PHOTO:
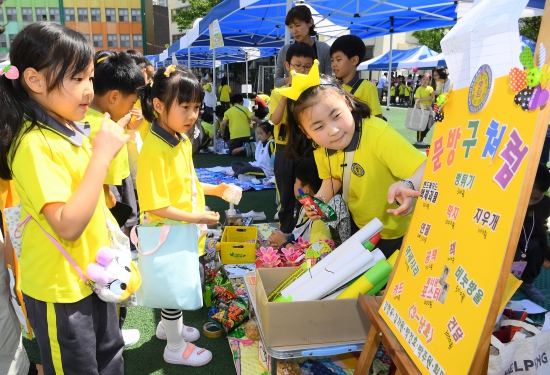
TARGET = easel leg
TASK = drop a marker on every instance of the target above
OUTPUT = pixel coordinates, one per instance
(273, 366)
(368, 353)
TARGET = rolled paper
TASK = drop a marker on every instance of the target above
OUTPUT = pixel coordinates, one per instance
(378, 287)
(232, 194)
(393, 258)
(369, 245)
(365, 283)
(378, 256)
(365, 233)
(290, 279)
(374, 239)
(333, 275)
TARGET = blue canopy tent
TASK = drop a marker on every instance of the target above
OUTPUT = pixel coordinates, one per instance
(381, 62)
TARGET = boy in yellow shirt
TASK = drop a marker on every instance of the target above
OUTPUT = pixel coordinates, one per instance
(116, 82)
(345, 54)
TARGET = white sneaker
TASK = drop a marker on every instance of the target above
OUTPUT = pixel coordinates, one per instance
(189, 334)
(255, 215)
(276, 217)
(421, 144)
(130, 336)
(192, 355)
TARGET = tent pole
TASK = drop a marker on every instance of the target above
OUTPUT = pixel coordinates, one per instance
(287, 31)
(389, 68)
(213, 87)
(246, 66)
(189, 57)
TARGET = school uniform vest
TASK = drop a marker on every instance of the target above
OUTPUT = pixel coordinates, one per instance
(263, 157)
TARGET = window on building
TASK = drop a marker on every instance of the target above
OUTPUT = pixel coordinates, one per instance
(138, 41)
(83, 14)
(136, 15)
(41, 14)
(125, 40)
(2, 15)
(3, 41)
(110, 15)
(162, 3)
(26, 14)
(11, 14)
(123, 15)
(98, 40)
(96, 14)
(112, 40)
(54, 15)
(12, 37)
(69, 14)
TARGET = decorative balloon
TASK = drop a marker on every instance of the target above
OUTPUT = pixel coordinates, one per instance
(415, 69)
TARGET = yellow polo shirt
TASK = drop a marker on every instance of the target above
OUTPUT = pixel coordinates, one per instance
(239, 121)
(264, 97)
(382, 158)
(224, 92)
(119, 168)
(208, 128)
(424, 92)
(145, 125)
(47, 168)
(165, 176)
(367, 93)
(273, 103)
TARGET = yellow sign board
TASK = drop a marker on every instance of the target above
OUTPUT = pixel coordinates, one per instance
(443, 287)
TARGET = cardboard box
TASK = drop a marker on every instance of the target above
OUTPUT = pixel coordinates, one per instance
(307, 322)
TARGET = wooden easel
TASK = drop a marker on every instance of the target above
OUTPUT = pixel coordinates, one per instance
(381, 332)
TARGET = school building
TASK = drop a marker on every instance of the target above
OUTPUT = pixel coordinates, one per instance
(116, 24)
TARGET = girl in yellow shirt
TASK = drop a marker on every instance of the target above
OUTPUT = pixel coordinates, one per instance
(59, 181)
(426, 95)
(168, 187)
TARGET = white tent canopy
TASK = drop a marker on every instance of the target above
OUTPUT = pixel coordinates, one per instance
(429, 62)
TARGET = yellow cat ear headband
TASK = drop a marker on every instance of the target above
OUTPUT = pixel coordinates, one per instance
(302, 82)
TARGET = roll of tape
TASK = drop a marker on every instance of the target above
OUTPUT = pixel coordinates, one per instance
(211, 330)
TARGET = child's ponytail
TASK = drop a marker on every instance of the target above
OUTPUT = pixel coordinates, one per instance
(51, 49)
(147, 102)
(13, 99)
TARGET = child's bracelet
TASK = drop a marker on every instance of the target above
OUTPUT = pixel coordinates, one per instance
(409, 182)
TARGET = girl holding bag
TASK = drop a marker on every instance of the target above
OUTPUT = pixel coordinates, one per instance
(168, 187)
(426, 95)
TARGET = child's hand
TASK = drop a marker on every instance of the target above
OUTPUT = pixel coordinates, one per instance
(402, 193)
(311, 213)
(207, 217)
(218, 191)
(124, 121)
(109, 139)
(137, 117)
(277, 238)
(546, 263)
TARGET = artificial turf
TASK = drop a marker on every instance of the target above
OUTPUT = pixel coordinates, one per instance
(146, 356)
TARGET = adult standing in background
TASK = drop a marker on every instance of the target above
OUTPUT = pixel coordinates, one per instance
(300, 22)
(381, 86)
(208, 100)
(443, 83)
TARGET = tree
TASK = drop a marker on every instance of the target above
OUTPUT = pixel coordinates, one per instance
(529, 27)
(197, 9)
(431, 38)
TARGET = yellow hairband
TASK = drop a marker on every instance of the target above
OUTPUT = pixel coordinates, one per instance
(100, 60)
